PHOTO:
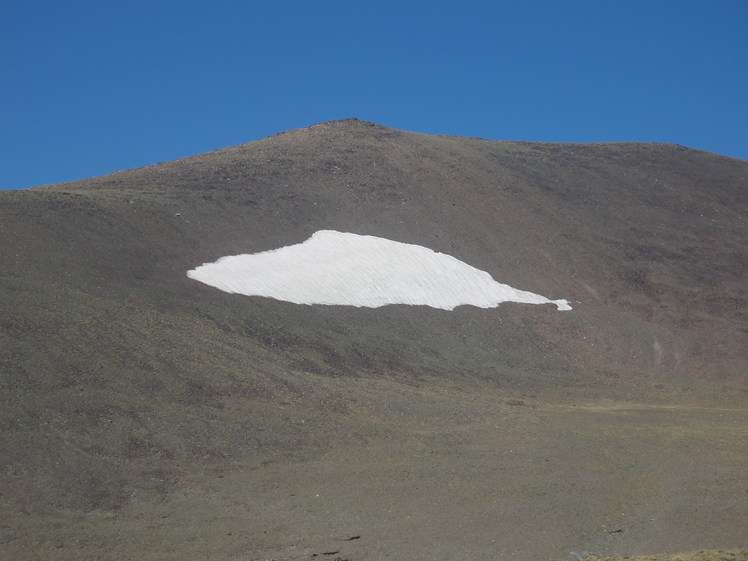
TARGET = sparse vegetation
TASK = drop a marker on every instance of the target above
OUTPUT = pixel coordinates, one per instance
(701, 555)
(147, 416)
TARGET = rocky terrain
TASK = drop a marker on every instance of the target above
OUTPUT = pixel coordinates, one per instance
(147, 415)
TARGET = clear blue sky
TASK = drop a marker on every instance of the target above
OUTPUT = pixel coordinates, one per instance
(92, 87)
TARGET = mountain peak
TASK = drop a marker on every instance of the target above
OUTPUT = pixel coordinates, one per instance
(348, 123)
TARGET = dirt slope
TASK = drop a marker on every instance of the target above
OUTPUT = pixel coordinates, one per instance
(147, 415)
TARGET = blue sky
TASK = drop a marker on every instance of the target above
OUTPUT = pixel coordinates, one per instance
(92, 87)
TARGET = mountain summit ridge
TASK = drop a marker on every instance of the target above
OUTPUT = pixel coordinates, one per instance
(356, 128)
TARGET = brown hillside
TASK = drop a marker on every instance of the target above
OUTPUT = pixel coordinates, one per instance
(146, 415)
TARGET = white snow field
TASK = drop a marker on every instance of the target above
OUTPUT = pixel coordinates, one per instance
(338, 268)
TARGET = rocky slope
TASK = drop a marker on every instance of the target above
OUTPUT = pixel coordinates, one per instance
(148, 414)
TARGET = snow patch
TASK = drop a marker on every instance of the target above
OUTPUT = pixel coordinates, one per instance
(337, 268)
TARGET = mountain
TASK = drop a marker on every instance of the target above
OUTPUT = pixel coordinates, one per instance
(148, 415)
